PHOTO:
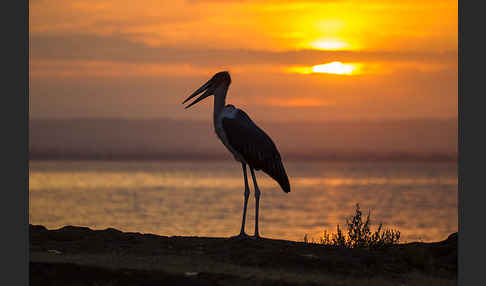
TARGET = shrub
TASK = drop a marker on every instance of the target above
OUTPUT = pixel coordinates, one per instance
(359, 234)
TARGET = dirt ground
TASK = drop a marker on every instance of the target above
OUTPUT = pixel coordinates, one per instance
(82, 256)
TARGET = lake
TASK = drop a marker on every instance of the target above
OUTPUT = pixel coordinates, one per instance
(205, 198)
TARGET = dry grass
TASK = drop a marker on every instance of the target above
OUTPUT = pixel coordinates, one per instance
(358, 234)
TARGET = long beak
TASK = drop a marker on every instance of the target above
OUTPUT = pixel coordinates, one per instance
(203, 96)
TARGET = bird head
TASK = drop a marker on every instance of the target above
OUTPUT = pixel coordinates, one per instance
(219, 82)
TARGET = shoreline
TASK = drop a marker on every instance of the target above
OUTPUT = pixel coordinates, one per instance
(113, 257)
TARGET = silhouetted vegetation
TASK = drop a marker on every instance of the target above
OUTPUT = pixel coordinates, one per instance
(358, 234)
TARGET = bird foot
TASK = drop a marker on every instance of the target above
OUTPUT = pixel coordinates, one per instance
(240, 236)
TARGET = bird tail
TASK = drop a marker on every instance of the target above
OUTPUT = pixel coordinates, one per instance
(285, 184)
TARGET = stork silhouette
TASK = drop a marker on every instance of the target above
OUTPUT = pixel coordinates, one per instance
(249, 144)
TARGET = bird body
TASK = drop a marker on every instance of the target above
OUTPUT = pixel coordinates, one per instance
(254, 146)
(248, 143)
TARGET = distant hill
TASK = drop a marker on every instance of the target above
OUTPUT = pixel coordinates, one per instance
(427, 139)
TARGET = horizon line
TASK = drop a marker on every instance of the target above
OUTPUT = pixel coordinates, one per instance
(87, 118)
(344, 156)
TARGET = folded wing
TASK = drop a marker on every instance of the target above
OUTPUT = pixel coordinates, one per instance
(255, 146)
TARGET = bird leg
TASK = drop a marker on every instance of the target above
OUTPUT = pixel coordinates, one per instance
(257, 201)
(247, 194)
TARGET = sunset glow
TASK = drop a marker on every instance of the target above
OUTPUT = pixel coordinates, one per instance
(297, 102)
(339, 103)
(335, 68)
(140, 59)
(329, 45)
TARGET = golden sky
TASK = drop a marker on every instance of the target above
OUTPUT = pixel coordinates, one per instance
(289, 60)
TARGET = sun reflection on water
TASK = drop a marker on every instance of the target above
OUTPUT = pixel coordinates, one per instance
(205, 198)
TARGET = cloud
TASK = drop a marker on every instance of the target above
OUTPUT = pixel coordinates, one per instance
(406, 93)
(117, 48)
(125, 58)
(259, 1)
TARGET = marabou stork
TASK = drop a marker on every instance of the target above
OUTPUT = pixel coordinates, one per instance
(249, 144)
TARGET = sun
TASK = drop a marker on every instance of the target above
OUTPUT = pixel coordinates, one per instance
(329, 45)
(330, 68)
(334, 68)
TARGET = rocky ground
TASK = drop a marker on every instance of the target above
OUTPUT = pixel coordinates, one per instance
(82, 256)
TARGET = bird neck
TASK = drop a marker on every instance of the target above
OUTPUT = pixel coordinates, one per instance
(219, 102)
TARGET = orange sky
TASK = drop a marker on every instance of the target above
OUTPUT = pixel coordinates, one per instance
(394, 59)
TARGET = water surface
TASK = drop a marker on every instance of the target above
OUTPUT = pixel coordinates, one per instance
(205, 198)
